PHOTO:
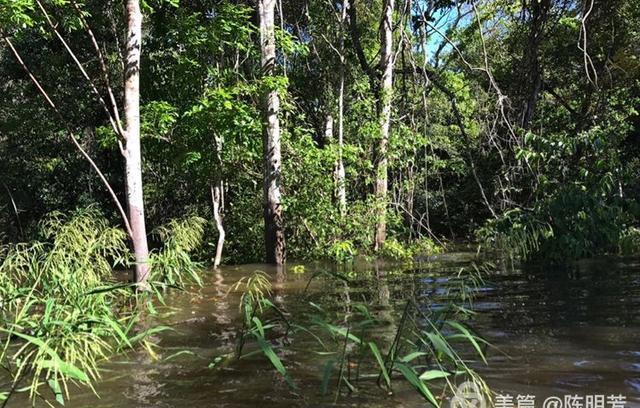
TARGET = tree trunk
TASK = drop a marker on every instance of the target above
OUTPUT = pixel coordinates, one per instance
(217, 201)
(341, 193)
(384, 116)
(217, 198)
(273, 220)
(132, 154)
(328, 129)
(338, 168)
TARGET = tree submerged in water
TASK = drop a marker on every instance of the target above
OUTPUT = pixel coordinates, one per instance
(326, 123)
(307, 130)
(63, 310)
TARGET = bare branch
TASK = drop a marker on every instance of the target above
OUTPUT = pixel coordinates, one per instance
(103, 67)
(116, 127)
(45, 95)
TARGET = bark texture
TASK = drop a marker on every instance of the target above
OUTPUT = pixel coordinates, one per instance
(341, 193)
(132, 154)
(384, 115)
(273, 219)
(217, 200)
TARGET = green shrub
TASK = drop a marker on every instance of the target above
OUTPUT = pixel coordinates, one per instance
(426, 247)
(516, 232)
(342, 251)
(395, 251)
(573, 223)
(629, 242)
(172, 265)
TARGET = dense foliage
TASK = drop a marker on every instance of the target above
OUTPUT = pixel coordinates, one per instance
(516, 121)
(63, 309)
(402, 126)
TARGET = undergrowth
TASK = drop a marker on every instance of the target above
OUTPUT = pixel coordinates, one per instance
(63, 310)
(429, 348)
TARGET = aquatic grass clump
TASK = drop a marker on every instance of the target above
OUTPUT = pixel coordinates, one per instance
(172, 265)
(430, 347)
(518, 233)
(629, 242)
(254, 304)
(62, 310)
(346, 251)
(62, 313)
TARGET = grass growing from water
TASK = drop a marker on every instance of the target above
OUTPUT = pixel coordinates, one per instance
(429, 349)
(63, 312)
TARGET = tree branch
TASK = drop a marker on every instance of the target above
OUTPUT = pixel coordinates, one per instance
(71, 134)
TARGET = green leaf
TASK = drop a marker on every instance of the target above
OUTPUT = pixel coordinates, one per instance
(326, 375)
(467, 335)
(440, 344)
(64, 368)
(57, 391)
(411, 376)
(149, 332)
(412, 356)
(433, 375)
(267, 350)
(259, 326)
(383, 368)
(180, 353)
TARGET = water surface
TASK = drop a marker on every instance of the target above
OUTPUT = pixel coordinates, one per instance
(559, 331)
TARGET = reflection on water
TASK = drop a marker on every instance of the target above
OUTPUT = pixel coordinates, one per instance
(558, 332)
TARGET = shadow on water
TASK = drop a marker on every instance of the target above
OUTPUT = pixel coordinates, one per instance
(559, 332)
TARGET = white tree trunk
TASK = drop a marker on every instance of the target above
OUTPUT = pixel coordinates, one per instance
(384, 115)
(338, 168)
(341, 194)
(217, 199)
(328, 129)
(132, 154)
(273, 220)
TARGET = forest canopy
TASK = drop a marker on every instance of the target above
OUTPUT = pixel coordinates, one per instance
(337, 127)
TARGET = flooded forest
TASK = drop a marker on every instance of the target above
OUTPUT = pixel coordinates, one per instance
(320, 203)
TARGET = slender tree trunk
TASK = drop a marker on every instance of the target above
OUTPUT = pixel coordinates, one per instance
(132, 154)
(273, 219)
(338, 167)
(341, 193)
(328, 129)
(217, 200)
(384, 116)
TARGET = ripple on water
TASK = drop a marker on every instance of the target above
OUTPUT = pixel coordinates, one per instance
(582, 363)
(629, 353)
(633, 383)
(488, 305)
(578, 381)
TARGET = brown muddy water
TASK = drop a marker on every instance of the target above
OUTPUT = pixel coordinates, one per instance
(559, 332)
